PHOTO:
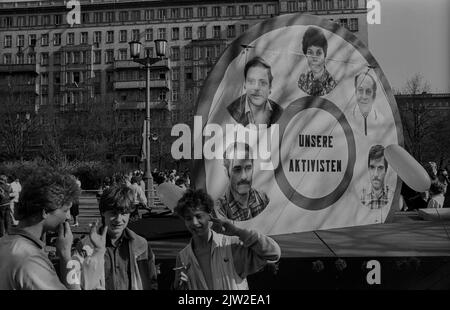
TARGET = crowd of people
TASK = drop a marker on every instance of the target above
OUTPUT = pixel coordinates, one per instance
(220, 255)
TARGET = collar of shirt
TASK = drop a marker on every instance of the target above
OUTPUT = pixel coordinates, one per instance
(232, 202)
(25, 234)
(214, 238)
(323, 78)
(382, 193)
(125, 235)
(248, 110)
(356, 108)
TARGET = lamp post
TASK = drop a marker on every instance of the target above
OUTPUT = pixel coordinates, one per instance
(147, 61)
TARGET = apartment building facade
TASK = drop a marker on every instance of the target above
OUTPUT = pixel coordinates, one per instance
(91, 61)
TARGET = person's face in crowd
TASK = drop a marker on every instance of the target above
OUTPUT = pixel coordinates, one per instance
(257, 85)
(316, 58)
(377, 172)
(53, 219)
(364, 90)
(197, 222)
(240, 174)
(116, 222)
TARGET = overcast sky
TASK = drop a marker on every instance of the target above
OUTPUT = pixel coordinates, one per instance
(413, 37)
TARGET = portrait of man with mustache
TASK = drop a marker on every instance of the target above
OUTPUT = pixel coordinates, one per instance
(241, 202)
(379, 194)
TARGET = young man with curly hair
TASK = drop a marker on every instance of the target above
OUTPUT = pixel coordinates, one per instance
(218, 260)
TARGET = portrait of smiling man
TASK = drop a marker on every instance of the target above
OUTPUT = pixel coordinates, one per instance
(241, 201)
(364, 113)
(379, 194)
(255, 107)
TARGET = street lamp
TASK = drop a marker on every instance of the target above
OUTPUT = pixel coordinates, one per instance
(147, 61)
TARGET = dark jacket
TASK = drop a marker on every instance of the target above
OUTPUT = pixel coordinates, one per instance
(237, 111)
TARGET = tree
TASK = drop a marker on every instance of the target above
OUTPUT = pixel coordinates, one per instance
(419, 120)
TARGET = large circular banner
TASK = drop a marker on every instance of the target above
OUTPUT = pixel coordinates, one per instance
(292, 124)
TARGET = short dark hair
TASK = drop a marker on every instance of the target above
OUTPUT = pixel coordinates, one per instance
(47, 190)
(437, 187)
(118, 198)
(374, 84)
(377, 152)
(258, 62)
(194, 200)
(232, 148)
(314, 37)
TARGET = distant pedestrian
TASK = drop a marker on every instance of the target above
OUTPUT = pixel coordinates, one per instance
(16, 188)
(5, 202)
(75, 209)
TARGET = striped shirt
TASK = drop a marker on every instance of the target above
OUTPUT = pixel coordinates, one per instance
(232, 209)
(373, 200)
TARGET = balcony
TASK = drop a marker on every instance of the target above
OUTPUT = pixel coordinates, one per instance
(19, 68)
(140, 84)
(130, 64)
(139, 105)
(19, 88)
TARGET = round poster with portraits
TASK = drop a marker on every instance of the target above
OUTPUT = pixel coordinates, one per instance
(294, 119)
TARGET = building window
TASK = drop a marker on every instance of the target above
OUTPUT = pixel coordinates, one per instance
(57, 39)
(343, 22)
(202, 11)
(353, 24)
(8, 41)
(162, 33)
(257, 9)
(85, 18)
(123, 54)
(32, 20)
(123, 36)
(110, 36)
(70, 38)
(20, 59)
(243, 10)
(98, 57)
(44, 59)
(175, 53)
(175, 33)
(21, 21)
(292, 6)
(231, 31)
(123, 16)
(44, 78)
(57, 77)
(231, 11)
(175, 13)
(216, 32)
(317, 5)
(32, 40)
(56, 58)
(187, 33)
(57, 19)
(148, 52)
(329, 5)
(187, 53)
(110, 17)
(271, 9)
(7, 59)
(149, 14)
(109, 56)
(136, 15)
(32, 58)
(98, 37)
(84, 38)
(45, 20)
(161, 14)
(98, 17)
(20, 40)
(202, 32)
(175, 74)
(188, 12)
(135, 36)
(353, 4)
(44, 39)
(149, 34)
(342, 4)
(302, 5)
(216, 11)
(188, 73)
(244, 28)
